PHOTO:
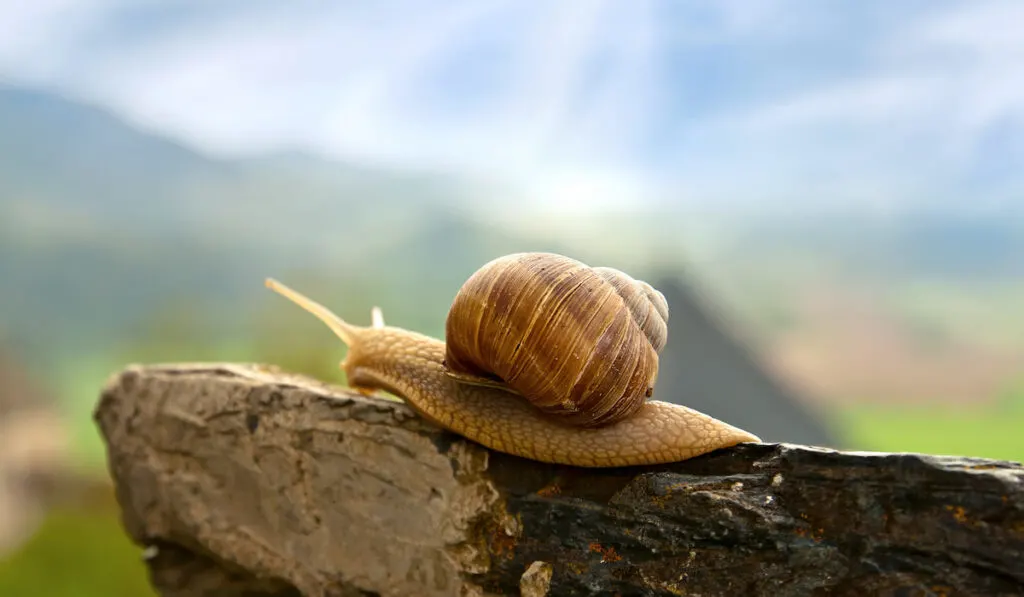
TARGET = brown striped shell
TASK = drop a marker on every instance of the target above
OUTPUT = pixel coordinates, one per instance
(578, 342)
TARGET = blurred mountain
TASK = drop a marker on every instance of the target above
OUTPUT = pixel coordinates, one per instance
(102, 224)
(74, 169)
(70, 159)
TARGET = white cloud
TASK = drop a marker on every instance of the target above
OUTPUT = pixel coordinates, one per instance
(738, 100)
(39, 35)
(904, 126)
(980, 50)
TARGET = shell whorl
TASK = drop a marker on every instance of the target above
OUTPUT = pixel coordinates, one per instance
(647, 305)
(578, 342)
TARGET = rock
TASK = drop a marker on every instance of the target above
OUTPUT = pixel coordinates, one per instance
(246, 480)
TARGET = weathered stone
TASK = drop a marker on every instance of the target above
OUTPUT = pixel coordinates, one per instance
(248, 481)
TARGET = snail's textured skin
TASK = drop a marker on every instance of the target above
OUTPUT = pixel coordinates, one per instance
(411, 366)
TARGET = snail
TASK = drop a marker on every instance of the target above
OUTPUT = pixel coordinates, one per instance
(544, 358)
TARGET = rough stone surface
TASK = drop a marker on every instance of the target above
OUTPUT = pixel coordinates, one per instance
(245, 481)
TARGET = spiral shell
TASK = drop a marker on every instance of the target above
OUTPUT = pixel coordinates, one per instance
(578, 342)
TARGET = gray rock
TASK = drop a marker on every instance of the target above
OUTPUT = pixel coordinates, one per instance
(247, 481)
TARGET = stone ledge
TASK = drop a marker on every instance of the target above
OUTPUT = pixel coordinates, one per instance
(244, 480)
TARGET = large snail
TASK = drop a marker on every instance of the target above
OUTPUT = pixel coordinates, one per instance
(545, 358)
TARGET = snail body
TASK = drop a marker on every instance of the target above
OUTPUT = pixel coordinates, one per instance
(544, 358)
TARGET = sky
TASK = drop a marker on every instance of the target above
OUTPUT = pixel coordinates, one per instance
(876, 103)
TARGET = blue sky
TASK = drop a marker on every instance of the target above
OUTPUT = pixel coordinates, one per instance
(879, 103)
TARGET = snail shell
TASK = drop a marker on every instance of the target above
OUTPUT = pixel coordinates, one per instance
(578, 342)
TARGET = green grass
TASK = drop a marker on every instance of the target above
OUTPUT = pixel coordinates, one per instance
(77, 553)
(993, 433)
(78, 388)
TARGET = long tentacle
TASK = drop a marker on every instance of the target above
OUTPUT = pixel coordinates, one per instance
(346, 331)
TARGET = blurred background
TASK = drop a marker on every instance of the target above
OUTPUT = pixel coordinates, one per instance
(831, 196)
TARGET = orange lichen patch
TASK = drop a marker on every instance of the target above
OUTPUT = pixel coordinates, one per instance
(549, 490)
(607, 553)
(661, 500)
(814, 535)
(984, 467)
(1018, 528)
(958, 513)
(503, 545)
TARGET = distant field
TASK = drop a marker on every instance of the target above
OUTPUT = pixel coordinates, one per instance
(903, 343)
(986, 434)
(81, 550)
(987, 315)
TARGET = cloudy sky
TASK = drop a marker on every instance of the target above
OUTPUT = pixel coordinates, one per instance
(880, 103)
